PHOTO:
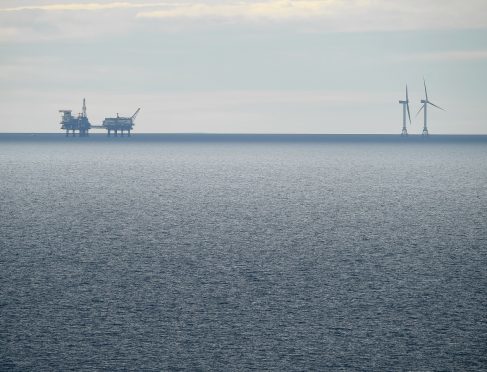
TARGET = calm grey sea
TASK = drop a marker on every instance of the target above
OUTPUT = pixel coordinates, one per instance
(240, 255)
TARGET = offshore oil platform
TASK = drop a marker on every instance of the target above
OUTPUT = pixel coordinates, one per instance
(82, 125)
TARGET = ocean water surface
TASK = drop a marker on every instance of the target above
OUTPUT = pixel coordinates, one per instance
(243, 253)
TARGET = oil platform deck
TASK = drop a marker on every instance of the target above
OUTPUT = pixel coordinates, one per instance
(82, 125)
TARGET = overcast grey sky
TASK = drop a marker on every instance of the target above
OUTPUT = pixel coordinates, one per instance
(264, 66)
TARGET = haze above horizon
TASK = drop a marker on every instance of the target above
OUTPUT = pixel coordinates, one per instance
(275, 66)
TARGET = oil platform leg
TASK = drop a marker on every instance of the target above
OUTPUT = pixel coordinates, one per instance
(74, 133)
(67, 133)
(116, 133)
(128, 132)
(108, 133)
(121, 132)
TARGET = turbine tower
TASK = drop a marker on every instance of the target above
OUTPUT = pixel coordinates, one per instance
(425, 103)
(405, 107)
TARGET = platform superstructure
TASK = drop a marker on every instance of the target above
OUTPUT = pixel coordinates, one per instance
(120, 124)
(79, 124)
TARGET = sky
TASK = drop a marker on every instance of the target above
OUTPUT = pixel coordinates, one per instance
(263, 66)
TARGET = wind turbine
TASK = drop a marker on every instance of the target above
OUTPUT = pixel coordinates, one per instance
(405, 107)
(425, 103)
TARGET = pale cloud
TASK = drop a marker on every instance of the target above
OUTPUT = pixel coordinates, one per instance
(225, 100)
(275, 9)
(451, 55)
(338, 15)
(334, 15)
(8, 33)
(85, 6)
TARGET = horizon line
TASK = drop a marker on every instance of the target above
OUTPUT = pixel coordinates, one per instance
(254, 134)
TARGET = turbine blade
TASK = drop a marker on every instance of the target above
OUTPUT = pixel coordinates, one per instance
(422, 107)
(425, 91)
(409, 114)
(432, 104)
(407, 97)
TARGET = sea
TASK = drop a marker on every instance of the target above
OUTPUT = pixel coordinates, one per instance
(208, 252)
